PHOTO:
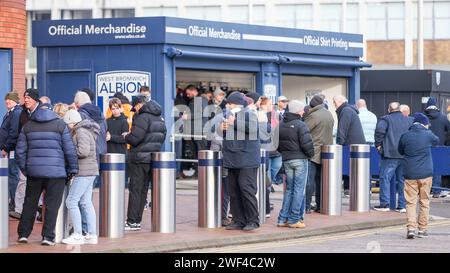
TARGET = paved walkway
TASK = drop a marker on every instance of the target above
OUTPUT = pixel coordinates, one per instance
(189, 236)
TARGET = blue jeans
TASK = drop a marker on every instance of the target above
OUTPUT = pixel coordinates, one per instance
(293, 206)
(391, 182)
(273, 167)
(437, 182)
(80, 198)
(13, 180)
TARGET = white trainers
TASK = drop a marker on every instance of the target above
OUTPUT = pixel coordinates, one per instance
(74, 239)
(91, 239)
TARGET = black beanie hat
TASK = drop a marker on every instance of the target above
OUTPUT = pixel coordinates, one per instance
(32, 93)
(316, 100)
(253, 95)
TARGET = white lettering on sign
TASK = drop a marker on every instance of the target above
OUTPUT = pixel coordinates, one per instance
(126, 82)
(270, 91)
(325, 42)
(62, 30)
(210, 32)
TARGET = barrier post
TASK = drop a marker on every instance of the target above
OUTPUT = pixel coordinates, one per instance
(112, 196)
(163, 192)
(331, 198)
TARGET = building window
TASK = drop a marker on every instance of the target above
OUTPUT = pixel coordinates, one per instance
(330, 17)
(295, 16)
(40, 15)
(376, 22)
(436, 20)
(259, 15)
(238, 14)
(385, 21)
(31, 51)
(76, 14)
(352, 18)
(442, 20)
(204, 13)
(160, 11)
(118, 13)
(396, 21)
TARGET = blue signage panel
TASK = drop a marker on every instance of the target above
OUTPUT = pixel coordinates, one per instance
(156, 30)
(243, 36)
(118, 31)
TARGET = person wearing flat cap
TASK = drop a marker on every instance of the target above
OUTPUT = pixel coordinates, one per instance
(241, 157)
(9, 133)
(415, 145)
(281, 106)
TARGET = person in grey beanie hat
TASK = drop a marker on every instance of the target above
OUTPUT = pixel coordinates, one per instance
(296, 147)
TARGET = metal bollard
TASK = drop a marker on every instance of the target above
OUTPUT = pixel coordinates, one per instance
(62, 221)
(209, 189)
(331, 199)
(112, 196)
(4, 195)
(360, 177)
(163, 192)
(261, 185)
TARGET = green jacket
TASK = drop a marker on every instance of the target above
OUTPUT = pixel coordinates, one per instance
(320, 123)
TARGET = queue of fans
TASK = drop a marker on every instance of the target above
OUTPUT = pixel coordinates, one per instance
(51, 146)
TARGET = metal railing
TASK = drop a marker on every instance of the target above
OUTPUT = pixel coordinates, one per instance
(173, 140)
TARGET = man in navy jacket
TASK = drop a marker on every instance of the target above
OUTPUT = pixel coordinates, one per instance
(415, 146)
(9, 132)
(46, 156)
(387, 134)
(241, 156)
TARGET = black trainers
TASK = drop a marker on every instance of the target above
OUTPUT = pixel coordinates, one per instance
(422, 234)
(410, 234)
(234, 226)
(47, 242)
(132, 226)
(250, 227)
(381, 208)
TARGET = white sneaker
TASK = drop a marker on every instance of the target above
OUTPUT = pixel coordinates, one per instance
(91, 239)
(401, 210)
(74, 239)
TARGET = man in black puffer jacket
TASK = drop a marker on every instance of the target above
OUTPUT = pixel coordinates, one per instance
(296, 147)
(440, 126)
(147, 135)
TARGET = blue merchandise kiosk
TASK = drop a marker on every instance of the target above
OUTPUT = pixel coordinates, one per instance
(120, 55)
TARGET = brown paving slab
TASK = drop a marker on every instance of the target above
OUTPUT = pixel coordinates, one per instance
(188, 235)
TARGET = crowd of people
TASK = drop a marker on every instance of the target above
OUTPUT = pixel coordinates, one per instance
(51, 146)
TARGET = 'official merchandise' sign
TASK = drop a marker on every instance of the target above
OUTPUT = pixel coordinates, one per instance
(127, 82)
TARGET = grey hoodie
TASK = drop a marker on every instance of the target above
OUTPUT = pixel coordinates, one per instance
(84, 135)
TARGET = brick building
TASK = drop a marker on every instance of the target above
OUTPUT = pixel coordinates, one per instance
(13, 32)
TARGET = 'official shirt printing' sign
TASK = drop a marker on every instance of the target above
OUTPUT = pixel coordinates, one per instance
(126, 82)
